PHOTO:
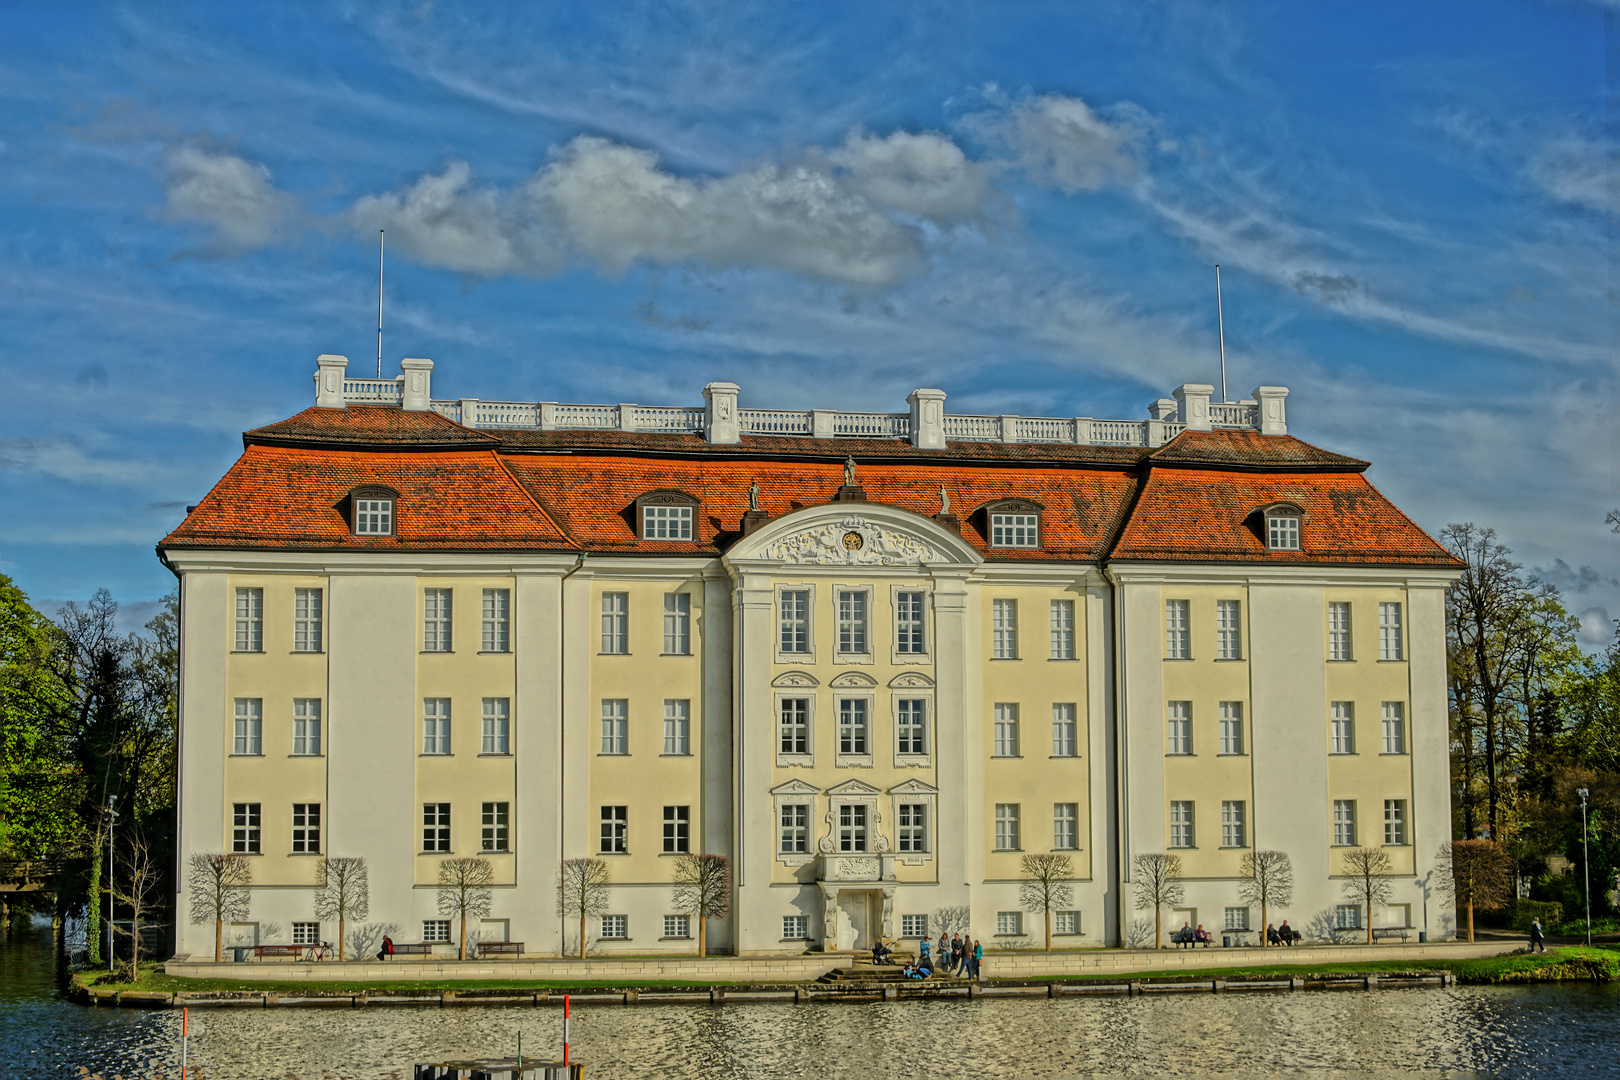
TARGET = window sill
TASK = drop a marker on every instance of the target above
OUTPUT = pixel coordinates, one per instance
(853, 761)
(494, 652)
(993, 659)
(613, 853)
(1178, 659)
(615, 939)
(1396, 660)
(247, 853)
(1231, 753)
(435, 852)
(1343, 753)
(426, 754)
(686, 753)
(307, 652)
(1397, 845)
(1185, 847)
(684, 937)
(994, 757)
(305, 854)
(250, 755)
(495, 851)
(1006, 850)
(1063, 660)
(1019, 934)
(247, 652)
(1063, 757)
(300, 755)
(1180, 754)
(795, 940)
(677, 654)
(494, 754)
(615, 654)
(1233, 847)
(1230, 659)
(609, 754)
(672, 854)
(436, 652)
(1393, 753)
(1341, 660)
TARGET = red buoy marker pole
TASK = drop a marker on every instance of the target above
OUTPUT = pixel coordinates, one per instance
(185, 1033)
(565, 1031)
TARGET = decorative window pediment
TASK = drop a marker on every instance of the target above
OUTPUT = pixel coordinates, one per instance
(911, 680)
(666, 514)
(795, 680)
(853, 680)
(913, 787)
(795, 787)
(1281, 525)
(1011, 523)
(852, 788)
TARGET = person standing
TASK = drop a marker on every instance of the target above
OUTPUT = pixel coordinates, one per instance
(1538, 939)
(955, 960)
(978, 958)
(942, 955)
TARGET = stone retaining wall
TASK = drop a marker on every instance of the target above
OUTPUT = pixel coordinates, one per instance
(774, 969)
(1040, 965)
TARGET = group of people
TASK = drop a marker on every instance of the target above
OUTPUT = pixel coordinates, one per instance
(957, 954)
(1282, 935)
(1187, 937)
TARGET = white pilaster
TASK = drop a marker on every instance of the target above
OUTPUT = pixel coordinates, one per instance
(1429, 733)
(719, 800)
(757, 916)
(537, 737)
(205, 605)
(329, 373)
(418, 392)
(961, 797)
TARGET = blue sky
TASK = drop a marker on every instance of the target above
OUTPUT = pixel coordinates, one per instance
(830, 204)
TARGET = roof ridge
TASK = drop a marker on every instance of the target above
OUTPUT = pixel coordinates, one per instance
(545, 511)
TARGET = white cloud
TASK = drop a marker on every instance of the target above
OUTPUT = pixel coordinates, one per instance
(1576, 170)
(1062, 142)
(230, 195)
(924, 174)
(1597, 629)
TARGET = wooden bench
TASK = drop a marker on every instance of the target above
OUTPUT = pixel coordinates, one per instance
(296, 952)
(1390, 931)
(498, 948)
(422, 948)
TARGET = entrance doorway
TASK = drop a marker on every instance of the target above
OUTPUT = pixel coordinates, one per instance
(860, 918)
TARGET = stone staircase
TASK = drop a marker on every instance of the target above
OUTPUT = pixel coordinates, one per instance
(877, 976)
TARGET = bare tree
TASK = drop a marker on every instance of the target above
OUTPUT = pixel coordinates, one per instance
(342, 892)
(582, 890)
(702, 890)
(1046, 887)
(139, 892)
(1158, 883)
(221, 892)
(957, 919)
(1368, 869)
(1266, 878)
(1476, 873)
(464, 893)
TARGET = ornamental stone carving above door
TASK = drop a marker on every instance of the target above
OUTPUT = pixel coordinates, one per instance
(854, 541)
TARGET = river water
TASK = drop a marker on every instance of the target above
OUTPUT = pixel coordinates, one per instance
(1551, 1031)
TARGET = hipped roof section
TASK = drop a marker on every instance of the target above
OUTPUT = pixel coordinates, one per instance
(461, 489)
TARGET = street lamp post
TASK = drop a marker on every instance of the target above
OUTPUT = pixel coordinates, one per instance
(1586, 864)
(112, 819)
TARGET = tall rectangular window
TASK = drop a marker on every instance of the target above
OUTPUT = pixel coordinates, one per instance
(1389, 632)
(852, 726)
(1065, 826)
(677, 830)
(677, 726)
(1006, 731)
(678, 623)
(1339, 631)
(852, 622)
(851, 827)
(1181, 824)
(793, 621)
(1063, 630)
(795, 837)
(911, 723)
(1179, 733)
(615, 623)
(245, 828)
(436, 620)
(911, 833)
(795, 730)
(306, 726)
(1344, 727)
(1014, 530)
(1344, 822)
(306, 620)
(615, 726)
(497, 621)
(249, 726)
(497, 826)
(250, 620)
(1007, 838)
(666, 523)
(1177, 635)
(1065, 736)
(615, 830)
(1228, 630)
(909, 638)
(1004, 629)
(436, 826)
(497, 726)
(1234, 824)
(436, 725)
(306, 828)
(1395, 822)
(1231, 727)
(1394, 727)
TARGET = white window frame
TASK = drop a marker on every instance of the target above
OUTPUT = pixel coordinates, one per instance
(1395, 727)
(1065, 924)
(900, 651)
(1065, 729)
(247, 828)
(1010, 924)
(1015, 529)
(677, 928)
(1341, 632)
(1066, 826)
(677, 624)
(436, 931)
(858, 758)
(496, 622)
(496, 732)
(306, 828)
(677, 727)
(307, 727)
(615, 727)
(1234, 823)
(677, 834)
(904, 754)
(1347, 917)
(668, 521)
(795, 757)
(1004, 628)
(1006, 739)
(911, 828)
(852, 827)
(1178, 729)
(1235, 918)
(247, 727)
(1395, 823)
(1228, 630)
(1283, 531)
(1344, 823)
(863, 625)
(1391, 631)
(1232, 740)
(495, 827)
(615, 623)
(1009, 827)
(1062, 644)
(308, 612)
(780, 616)
(1183, 825)
(613, 833)
(914, 926)
(249, 619)
(794, 828)
(374, 517)
(1342, 727)
(1178, 629)
(436, 835)
(795, 928)
(438, 618)
(615, 928)
(436, 727)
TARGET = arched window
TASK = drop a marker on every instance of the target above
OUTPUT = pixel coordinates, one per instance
(1283, 526)
(1012, 523)
(372, 510)
(666, 515)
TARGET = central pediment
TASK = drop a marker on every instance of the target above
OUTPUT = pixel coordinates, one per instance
(867, 535)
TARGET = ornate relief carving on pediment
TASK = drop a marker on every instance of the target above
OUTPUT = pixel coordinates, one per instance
(911, 680)
(795, 787)
(795, 680)
(913, 787)
(854, 541)
(852, 787)
(853, 680)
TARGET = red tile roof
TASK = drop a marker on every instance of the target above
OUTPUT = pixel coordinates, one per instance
(460, 489)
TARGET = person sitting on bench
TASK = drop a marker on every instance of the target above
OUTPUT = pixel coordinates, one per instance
(1287, 933)
(1183, 938)
(1201, 936)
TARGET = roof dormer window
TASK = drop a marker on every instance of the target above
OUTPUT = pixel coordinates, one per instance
(1014, 523)
(372, 510)
(1282, 527)
(667, 515)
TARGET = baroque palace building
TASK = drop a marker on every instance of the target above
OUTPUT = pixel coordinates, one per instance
(873, 658)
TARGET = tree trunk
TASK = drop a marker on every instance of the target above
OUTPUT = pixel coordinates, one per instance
(1048, 929)
(582, 931)
(1263, 924)
(342, 926)
(1157, 928)
(219, 941)
(703, 936)
(461, 951)
(1470, 921)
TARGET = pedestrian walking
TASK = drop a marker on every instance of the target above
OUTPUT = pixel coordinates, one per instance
(1537, 939)
(964, 959)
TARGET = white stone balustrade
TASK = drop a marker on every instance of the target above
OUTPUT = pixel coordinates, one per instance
(720, 420)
